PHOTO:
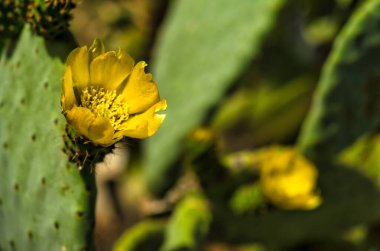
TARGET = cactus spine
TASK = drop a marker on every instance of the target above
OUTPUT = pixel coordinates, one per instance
(49, 17)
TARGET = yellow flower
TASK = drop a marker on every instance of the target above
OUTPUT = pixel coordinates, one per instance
(288, 180)
(107, 97)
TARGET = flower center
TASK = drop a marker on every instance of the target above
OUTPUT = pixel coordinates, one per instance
(106, 104)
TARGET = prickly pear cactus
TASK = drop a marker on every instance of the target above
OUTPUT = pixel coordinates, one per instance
(147, 235)
(49, 17)
(346, 103)
(46, 203)
(189, 224)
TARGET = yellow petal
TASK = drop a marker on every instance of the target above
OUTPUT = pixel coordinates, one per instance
(109, 69)
(302, 202)
(101, 132)
(140, 91)
(313, 201)
(126, 59)
(80, 119)
(144, 125)
(68, 97)
(96, 49)
(78, 60)
(96, 129)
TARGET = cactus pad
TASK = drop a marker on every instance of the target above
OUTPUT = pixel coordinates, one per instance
(45, 204)
(346, 103)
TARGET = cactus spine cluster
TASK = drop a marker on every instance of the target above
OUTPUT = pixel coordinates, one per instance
(48, 18)
(12, 13)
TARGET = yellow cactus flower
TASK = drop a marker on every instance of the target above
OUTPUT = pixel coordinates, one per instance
(288, 179)
(107, 97)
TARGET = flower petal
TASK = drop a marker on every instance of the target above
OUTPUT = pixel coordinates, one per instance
(101, 132)
(109, 69)
(143, 125)
(126, 59)
(68, 99)
(96, 129)
(141, 90)
(96, 49)
(78, 60)
(80, 119)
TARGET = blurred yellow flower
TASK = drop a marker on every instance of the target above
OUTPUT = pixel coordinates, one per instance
(288, 180)
(202, 134)
(107, 97)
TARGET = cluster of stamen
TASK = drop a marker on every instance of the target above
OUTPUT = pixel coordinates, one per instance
(106, 104)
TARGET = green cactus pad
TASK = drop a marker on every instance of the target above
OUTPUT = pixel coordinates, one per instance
(189, 224)
(147, 235)
(215, 40)
(247, 198)
(346, 103)
(45, 203)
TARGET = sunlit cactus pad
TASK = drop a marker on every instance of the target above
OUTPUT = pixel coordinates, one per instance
(44, 203)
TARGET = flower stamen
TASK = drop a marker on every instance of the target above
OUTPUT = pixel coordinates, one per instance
(106, 104)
